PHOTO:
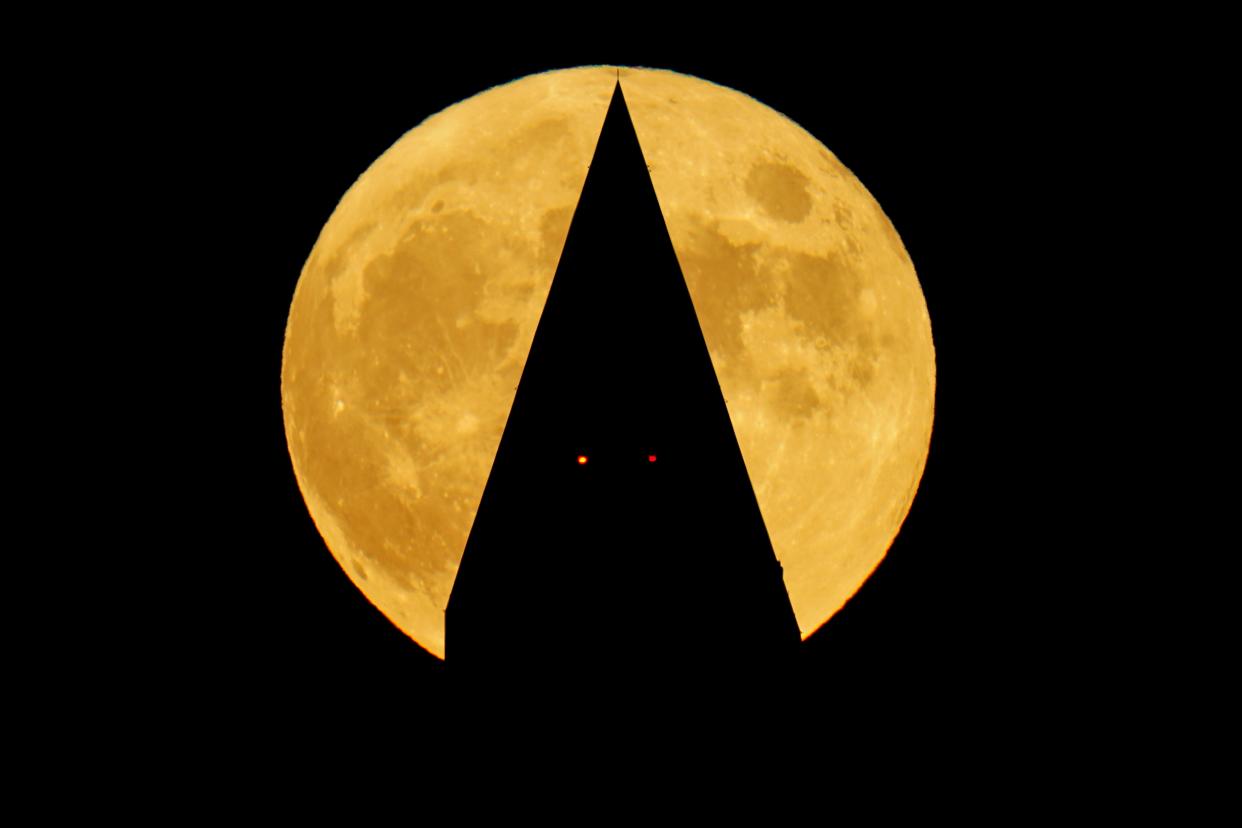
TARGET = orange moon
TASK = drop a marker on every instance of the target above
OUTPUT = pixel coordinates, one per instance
(414, 313)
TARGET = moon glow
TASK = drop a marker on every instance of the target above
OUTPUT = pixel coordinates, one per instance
(414, 313)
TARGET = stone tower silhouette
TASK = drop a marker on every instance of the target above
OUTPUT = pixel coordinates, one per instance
(618, 535)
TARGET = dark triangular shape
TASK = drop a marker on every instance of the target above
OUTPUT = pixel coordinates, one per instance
(619, 565)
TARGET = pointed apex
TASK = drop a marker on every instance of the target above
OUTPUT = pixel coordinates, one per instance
(618, 151)
(617, 101)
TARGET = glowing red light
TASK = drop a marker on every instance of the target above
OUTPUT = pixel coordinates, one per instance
(650, 458)
(582, 459)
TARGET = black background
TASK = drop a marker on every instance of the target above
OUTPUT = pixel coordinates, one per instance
(971, 618)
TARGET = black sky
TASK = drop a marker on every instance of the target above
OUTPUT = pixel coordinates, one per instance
(969, 616)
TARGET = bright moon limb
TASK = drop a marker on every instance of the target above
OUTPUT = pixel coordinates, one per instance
(413, 316)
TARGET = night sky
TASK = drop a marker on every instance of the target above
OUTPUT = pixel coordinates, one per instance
(970, 616)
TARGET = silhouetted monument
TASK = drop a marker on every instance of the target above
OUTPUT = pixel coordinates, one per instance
(618, 535)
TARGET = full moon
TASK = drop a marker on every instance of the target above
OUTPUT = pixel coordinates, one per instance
(413, 316)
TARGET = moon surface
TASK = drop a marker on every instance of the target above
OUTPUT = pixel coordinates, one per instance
(413, 316)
